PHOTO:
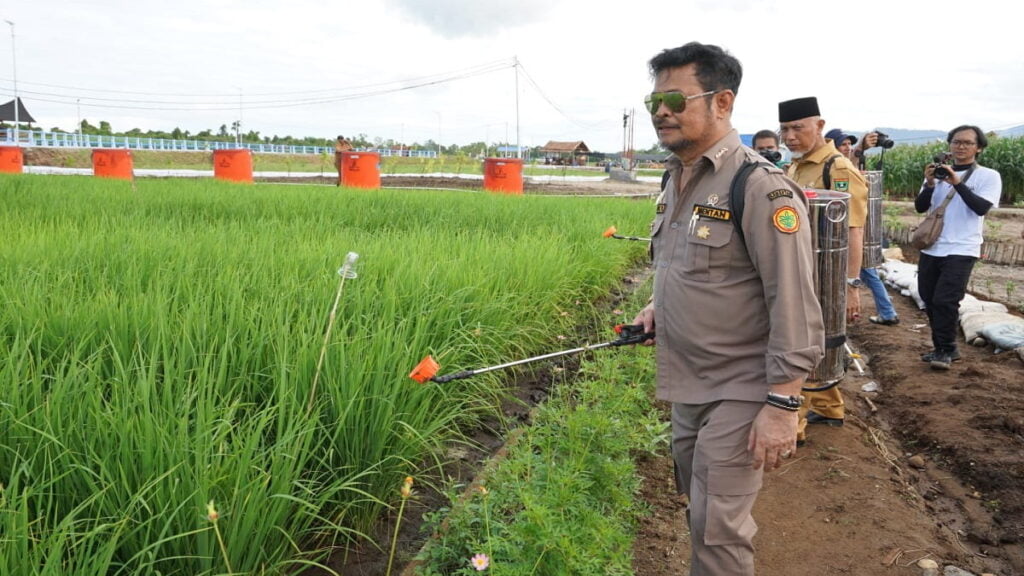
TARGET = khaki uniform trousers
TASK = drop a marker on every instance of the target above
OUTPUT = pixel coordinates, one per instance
(713, 467)
(828, 403)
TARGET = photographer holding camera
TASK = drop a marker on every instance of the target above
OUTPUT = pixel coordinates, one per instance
(869, 276)
(944, 268)
(766, 142)
(870, 140)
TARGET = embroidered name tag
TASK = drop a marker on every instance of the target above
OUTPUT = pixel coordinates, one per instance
(781, 193)
(711, 212)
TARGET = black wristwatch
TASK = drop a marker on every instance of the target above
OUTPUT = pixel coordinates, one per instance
(791, 403)
(855, 282)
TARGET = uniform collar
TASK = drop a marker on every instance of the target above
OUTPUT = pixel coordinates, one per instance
(716, 154)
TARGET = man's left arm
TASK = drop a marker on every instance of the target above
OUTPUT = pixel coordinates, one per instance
(780, 247)
(979, 201)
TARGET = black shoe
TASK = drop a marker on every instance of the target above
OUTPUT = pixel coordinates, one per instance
(954, 356)
(941, 361)
(815, 418)
(884, 321)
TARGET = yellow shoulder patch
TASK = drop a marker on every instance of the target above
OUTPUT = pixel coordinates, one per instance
(786, 220)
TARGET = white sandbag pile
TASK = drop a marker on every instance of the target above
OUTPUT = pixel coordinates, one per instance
(986, 323)
(982, 322)
(903, 277)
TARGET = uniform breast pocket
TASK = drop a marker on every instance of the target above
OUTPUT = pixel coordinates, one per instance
(709, 248)
(656, 224)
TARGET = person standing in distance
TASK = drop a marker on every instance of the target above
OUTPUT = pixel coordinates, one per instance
(766, 143)
(738, 326)
(944, 268)
(887, 315)
(817, 164)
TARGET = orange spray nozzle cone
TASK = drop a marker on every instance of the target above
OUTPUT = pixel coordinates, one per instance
(425, 370)
(610, 232)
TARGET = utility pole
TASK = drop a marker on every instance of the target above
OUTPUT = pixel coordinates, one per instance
(238, 129)
(519, 149)
(14, 68)
(78, 102)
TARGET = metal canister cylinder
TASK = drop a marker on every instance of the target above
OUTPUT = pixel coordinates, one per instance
(873, 227)
(828, 214)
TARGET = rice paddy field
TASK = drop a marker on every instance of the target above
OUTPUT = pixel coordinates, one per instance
(163, 404)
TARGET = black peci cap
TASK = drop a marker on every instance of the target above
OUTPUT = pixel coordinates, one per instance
(797, 109)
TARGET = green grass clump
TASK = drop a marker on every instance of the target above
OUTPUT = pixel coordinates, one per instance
(562, 501)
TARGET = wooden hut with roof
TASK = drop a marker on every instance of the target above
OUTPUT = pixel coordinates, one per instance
(565, 153)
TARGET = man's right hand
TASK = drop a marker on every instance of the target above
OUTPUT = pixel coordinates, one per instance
(929, 175)
(646, 318)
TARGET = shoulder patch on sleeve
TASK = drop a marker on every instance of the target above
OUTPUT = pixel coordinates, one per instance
(780, 193)
(841, 185)
(786, 220)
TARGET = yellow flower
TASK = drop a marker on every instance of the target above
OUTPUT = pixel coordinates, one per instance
(211, 512)
(406, 490)
(483, 490)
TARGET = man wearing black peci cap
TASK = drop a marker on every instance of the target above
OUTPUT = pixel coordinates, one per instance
(817, 164)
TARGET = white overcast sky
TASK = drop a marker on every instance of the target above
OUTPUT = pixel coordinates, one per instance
(306, 68)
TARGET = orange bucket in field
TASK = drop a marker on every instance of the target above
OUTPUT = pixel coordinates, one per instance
(12, 160)
(360, 169)
(503, 175)
(112, 164)
(234, 165)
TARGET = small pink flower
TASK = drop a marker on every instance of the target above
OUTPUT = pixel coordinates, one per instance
(481, 562)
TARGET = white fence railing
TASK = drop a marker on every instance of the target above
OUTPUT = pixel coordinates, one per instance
(43, 139)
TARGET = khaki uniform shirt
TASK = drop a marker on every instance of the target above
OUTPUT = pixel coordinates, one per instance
(809, 173)
(732, 317)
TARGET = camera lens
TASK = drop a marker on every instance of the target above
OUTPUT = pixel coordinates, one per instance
(886, 144)
(772, 156)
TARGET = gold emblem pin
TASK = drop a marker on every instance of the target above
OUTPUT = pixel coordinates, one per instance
(703, 232)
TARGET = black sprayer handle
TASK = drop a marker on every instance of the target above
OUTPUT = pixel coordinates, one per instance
(454, 376)
(631, 334)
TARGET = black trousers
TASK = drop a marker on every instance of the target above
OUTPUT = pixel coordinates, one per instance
(942, 283)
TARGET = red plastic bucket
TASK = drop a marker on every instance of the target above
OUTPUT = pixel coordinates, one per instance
(503, 175)
(360, 169)
(112, 164)
(12, 160)
(233, 165)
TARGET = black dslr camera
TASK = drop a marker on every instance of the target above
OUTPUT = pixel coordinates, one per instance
(772, 156)
(940, 159)
(884, 141)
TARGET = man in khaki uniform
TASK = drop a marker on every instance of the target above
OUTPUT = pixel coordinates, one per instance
(816, 158)
(737, 322)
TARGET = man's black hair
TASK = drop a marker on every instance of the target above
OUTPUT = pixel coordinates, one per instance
(982, 140)
(765, 134)
(716, 68)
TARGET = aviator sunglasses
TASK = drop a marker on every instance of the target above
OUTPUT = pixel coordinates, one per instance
(674, 101)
